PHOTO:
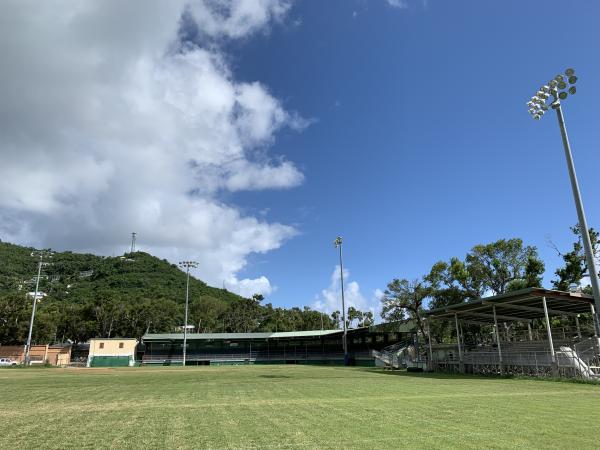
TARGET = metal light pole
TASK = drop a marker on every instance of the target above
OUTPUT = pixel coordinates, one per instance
(338, 244)
(557, 89)
(39, 254)
(187, 265)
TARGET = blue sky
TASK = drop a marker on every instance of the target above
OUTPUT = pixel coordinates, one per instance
(421, 145)
(249, 135)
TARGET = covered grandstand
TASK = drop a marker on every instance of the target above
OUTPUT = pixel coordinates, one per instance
(531, 331)
(294, 347)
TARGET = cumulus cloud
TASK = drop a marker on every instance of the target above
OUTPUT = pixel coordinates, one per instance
(248, 288)
(112, 122)
(330, 298)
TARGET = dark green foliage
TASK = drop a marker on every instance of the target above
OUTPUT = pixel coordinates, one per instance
(575, 265)
(496, 268)
(362, 318)
(128, 296)
(404, 299)
(505, 264)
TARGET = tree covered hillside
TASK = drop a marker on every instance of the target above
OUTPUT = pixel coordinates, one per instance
(92, 296)
(77, 275)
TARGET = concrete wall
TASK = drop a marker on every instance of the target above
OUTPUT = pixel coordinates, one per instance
(38, 353)
(56, 355)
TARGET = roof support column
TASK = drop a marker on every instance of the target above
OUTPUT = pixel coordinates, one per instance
(460, 358)
(497, 338)
(577, 325)
(429, 341)
(549, 330)
(594, 320)
(529, 331)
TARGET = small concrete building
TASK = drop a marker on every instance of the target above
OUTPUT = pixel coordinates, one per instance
(112, 352)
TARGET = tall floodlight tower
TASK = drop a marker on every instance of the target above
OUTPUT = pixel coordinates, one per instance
(186, 265)
(40, 255)
(557, 89)
(338, 244)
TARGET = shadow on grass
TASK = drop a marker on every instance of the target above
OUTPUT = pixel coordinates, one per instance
(274, 376)
(460, 376)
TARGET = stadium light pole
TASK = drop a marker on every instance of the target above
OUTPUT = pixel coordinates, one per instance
(187, 265)
(559, 88)
(338, 244)
(41, 254)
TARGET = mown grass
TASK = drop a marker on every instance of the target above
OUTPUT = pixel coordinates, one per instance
(290, 407)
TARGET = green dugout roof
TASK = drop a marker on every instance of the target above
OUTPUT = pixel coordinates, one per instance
(239, 336)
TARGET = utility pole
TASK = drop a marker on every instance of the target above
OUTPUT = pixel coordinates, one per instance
(41, 254)
(187, 265)
(338, 244)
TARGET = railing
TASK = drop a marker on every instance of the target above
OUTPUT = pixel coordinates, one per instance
(519, 358)
(251, 356)
(567, 357)
(580, 361)
(386, 358)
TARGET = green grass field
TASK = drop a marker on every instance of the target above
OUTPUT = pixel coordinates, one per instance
(289, 407)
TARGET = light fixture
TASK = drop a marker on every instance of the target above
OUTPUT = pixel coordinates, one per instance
(570, 72)
(572, 79)
(572, 90)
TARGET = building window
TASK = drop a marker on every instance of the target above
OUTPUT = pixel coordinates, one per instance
(101, 344)
(120, 345)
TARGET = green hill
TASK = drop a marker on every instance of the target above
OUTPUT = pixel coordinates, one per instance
(86, 295)
(79, 275)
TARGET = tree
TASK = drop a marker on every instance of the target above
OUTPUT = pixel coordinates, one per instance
(336, 316)
(404, 298)
(367, 319)
(353, 314)
(15, 311)
(207, 313)
(575, 265)
(504, 264)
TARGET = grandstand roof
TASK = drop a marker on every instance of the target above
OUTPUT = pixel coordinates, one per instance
(523, 305)
(234, 336)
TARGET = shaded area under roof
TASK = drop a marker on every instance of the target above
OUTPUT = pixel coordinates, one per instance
(240, 336)
(519, 306)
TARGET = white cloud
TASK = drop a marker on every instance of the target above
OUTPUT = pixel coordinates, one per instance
(248, 288)
(237, 18)
(330, 298)
(402, 4)
(110, 124)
